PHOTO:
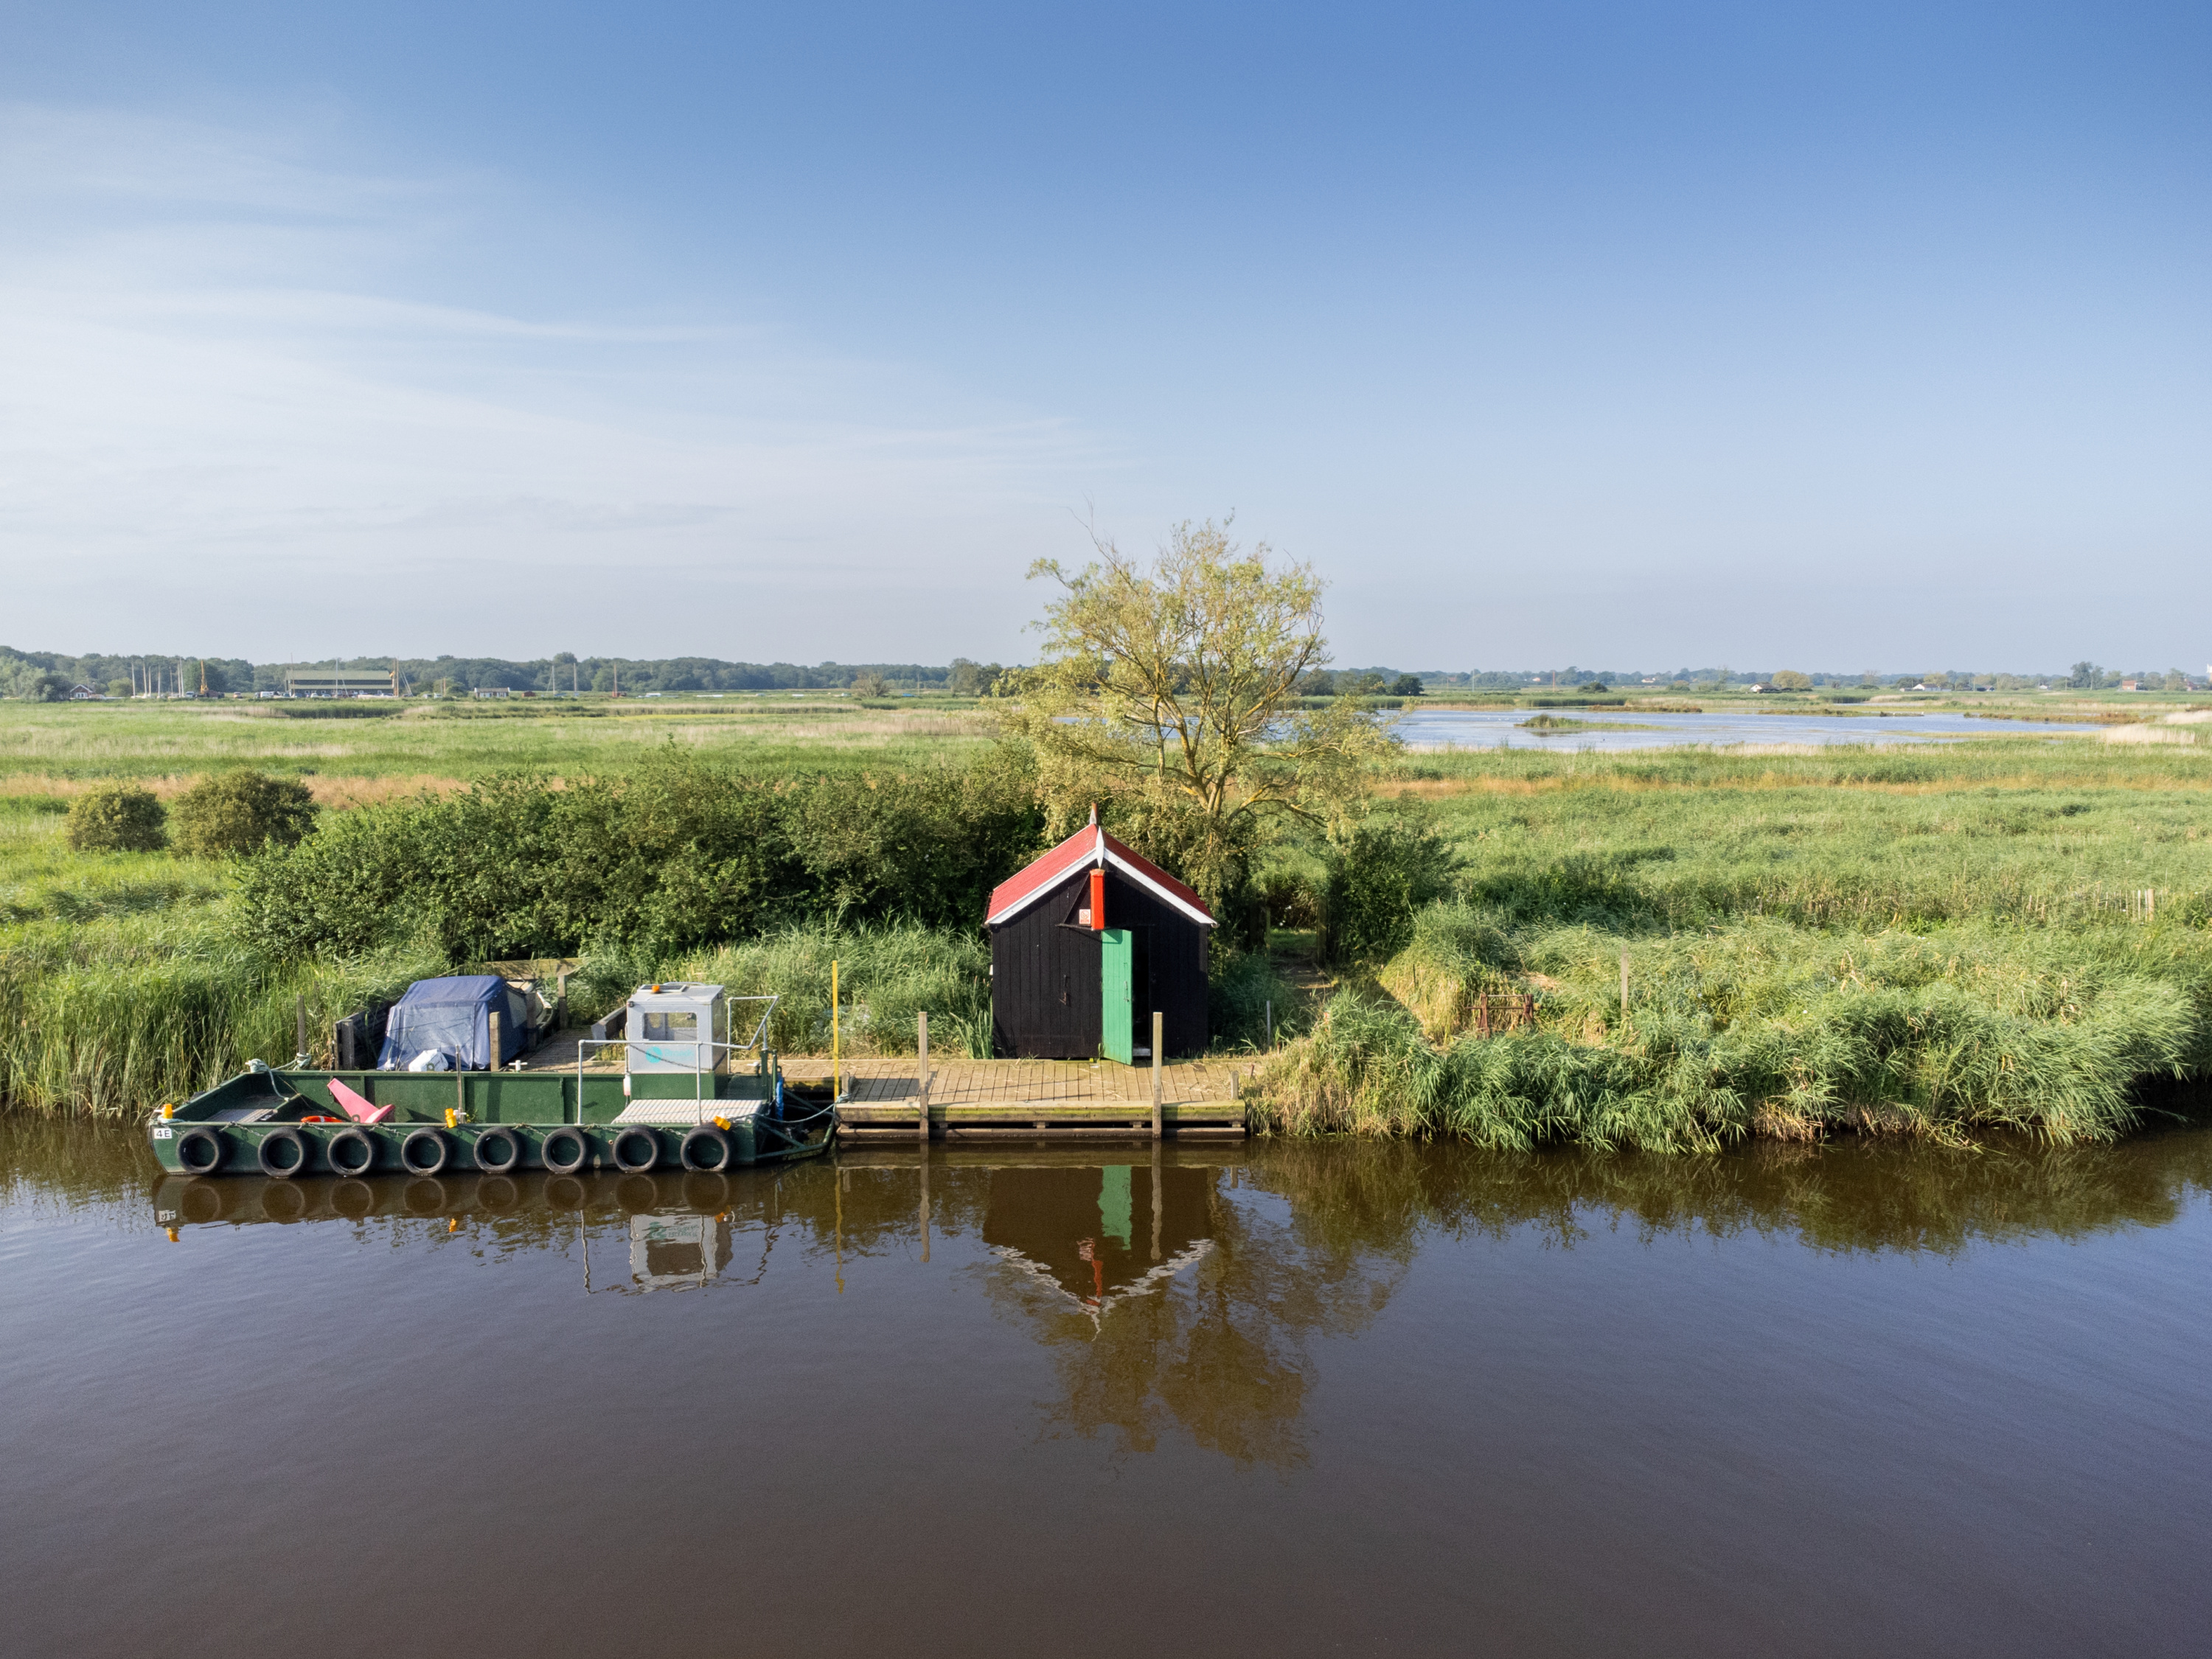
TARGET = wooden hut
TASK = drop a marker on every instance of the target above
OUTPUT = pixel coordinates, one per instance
(1086, 945)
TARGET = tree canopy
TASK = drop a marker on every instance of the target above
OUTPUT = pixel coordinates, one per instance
(1170, 688)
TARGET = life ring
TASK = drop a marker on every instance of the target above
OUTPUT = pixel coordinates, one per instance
(277, 1142)
(351, 1152)
(424, 1152)
(706, 1150)
(636, 1150)
(498, 1152)
(201, 1151)
(564, 1151)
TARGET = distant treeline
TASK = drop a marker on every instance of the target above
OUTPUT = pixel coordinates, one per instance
(53, 675)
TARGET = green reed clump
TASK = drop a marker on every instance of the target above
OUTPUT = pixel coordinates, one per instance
(1765, 1029)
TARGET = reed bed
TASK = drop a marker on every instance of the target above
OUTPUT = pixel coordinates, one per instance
(119, 1017)
(886, 975)
(1759, 1029)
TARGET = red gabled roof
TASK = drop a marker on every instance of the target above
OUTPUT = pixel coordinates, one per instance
(1088, 846)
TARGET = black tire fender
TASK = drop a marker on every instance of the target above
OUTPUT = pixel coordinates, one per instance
(196, 1161)
(565, 1150)
(424, 1152)
(505, 1153)
(339, 1150)
(706, 1150)
(302, 1150)
(636, 1150)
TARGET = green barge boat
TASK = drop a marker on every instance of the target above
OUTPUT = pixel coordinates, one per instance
(676, 1105)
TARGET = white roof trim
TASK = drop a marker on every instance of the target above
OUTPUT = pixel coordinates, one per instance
(1102, 855)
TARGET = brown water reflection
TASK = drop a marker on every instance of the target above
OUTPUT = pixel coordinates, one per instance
(1306, 1398)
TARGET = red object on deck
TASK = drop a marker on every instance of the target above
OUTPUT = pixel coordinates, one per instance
(358, 1107)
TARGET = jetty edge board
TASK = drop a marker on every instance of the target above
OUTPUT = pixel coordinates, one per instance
(762, 1119)
(1046, 1118)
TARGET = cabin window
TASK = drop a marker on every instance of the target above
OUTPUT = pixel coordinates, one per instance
(671, 1027)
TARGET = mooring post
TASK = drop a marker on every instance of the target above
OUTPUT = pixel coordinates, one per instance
(493, 1034)
(1159, 1043)
(302, 1059)
(925, 1203)
(922, 1080)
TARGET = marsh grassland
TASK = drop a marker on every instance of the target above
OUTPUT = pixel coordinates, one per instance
(2011, 933)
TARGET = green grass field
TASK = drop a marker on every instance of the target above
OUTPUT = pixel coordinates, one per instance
(351, 757)
(1940, 941)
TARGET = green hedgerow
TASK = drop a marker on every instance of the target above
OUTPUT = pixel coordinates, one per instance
(117, 819)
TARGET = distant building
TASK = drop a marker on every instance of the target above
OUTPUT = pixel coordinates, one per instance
(492, 691)
(2130, 685)
(85, 694)
(341, 682)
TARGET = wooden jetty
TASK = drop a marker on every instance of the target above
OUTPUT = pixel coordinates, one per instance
(888, 1099)
(911, 1098)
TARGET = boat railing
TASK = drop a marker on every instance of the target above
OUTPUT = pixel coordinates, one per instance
(706, 1055)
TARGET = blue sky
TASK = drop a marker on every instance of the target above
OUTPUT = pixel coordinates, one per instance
(1855, 336)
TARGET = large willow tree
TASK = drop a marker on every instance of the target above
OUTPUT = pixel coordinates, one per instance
(1169, 690)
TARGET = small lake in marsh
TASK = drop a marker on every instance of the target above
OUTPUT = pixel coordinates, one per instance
(1492, 728)
(1260, 1399)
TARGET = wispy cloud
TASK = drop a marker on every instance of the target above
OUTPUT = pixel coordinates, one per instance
(229, 408)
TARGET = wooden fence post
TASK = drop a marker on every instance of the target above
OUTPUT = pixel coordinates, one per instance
(922, 1079)
(1159, 1077)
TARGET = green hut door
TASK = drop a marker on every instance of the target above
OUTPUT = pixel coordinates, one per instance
(1117, 994)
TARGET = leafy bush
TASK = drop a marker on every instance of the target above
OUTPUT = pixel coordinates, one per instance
(677, 855)
(232, 814)
(1378, 876)
(117, 819)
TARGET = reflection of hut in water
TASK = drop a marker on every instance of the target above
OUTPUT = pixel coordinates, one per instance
(1100, 1235)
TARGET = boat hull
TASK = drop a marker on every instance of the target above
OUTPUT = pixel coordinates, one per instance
(486, 1123)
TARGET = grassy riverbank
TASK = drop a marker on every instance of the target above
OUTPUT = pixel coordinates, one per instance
(1938, 941)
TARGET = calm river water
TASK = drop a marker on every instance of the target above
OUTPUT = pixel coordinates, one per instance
(1493, 728)
(1034, 1400)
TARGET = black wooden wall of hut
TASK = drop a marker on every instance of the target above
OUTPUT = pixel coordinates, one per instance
(1045, 967)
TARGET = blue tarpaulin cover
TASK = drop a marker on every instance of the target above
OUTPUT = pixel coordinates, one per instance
(452, 1016)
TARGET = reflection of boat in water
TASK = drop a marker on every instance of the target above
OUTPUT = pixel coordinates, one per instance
(682, 1231)
(1100, 1235)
